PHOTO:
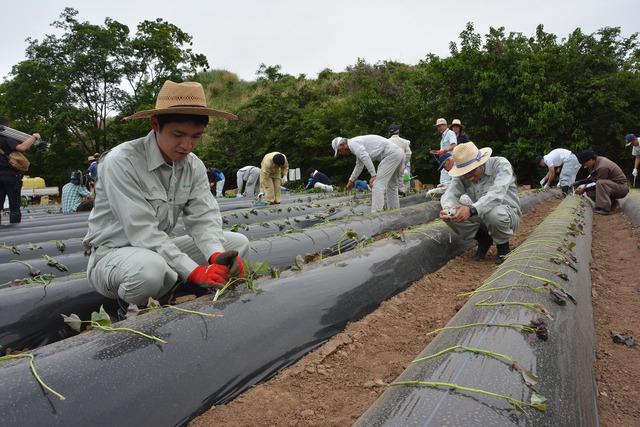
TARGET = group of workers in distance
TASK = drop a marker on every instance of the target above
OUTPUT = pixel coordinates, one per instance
(146, 183)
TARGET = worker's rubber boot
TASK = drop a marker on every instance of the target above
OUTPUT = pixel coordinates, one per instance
(566, 190)
(484, 243)
(121, 312)
(503, 251)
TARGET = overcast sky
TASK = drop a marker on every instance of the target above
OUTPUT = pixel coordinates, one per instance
(306, 36)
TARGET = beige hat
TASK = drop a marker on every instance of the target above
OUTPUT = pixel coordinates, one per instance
(456, 122)
(441, 121)
(467, 157)
(337, 141)
(181, 98)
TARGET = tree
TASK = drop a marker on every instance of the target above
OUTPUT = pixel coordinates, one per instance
(76, 87)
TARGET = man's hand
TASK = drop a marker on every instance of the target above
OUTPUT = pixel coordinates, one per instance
(349, 185)
(36, 135)
(210, 276)
(371, 181)
(462, 214)
(580, 189)
(543, 181)
(231, 260)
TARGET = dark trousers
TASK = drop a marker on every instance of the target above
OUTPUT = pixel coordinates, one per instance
(606, 192)
(10, 186)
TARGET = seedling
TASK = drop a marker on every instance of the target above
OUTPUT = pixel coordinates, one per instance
(154, 305)
(529, 329)
(60, 245)
(33, 272)
(101, 320)
(529, 378)
(33, 246)
(32, 366)
(538, 308)
(348, 234)
(53, 263)
(537, 401)
(12, 248)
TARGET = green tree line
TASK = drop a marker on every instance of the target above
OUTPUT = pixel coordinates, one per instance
(521, 95)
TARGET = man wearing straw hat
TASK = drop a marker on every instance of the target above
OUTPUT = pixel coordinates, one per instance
(495, 210)
(144, 185)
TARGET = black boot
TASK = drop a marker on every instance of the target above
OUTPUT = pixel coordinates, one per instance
(503, 251)
(484, 243)
(566, 190)
(121, 311)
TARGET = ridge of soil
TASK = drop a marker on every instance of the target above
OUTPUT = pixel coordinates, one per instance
(616, 304)
(337, 382)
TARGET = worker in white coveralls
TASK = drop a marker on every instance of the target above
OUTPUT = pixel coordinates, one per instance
(144, 186)
(384, 181)
(405, 146)
(495, 211)
(559, 158)
(248, 177)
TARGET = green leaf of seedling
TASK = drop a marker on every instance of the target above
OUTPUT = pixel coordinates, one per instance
(73, 321)
(101, 317)
(275, 273)
(538, 401)
(571, 245)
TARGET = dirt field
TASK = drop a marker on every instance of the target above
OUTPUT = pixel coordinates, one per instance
(615, 273)
(335, 384)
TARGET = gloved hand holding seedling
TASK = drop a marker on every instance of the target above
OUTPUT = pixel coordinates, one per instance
(222, 266)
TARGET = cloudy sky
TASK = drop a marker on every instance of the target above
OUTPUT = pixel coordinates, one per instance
(306, 36)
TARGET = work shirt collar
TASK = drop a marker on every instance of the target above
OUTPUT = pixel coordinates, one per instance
(154, 155)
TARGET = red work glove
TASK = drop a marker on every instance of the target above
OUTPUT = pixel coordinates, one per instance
(213, 275)
(231, 260)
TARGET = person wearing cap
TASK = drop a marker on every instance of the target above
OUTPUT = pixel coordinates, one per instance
(144, 186)
(318, 180)
(605, 184)
(559, 158)
(247, 177)
(405, 146)
(273, 171)
(75, 196)
(367, 149)
(10, 178)
(458, 129)
(632, 141)
(494, 213)
(448, 142)
(216, 181)
(445, 162)
(92, 171)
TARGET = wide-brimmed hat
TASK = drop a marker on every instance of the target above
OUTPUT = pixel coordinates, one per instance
(467, 157)
(441, 121)
(182, 98)
(456, 122)
(335, 143)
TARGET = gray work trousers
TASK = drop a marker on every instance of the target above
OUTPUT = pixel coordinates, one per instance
(386, 183)
(569, 170)
(252, 182)
(606, 192)
(135, 274)
(500, 222)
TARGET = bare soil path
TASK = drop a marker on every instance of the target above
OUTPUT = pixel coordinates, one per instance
(336, 383)
(615, 273)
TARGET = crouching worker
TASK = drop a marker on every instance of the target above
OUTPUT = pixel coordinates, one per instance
(144, 186)
(495, 210)
(605, 184)
(273, 170)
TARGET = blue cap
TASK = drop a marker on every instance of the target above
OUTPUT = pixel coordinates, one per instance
(630, 137)
(394, 129)
(442, 159)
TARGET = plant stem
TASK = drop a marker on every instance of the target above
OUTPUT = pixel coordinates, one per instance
(129, 330)
(32, 365)
(519, 326)
(500, 288)
(463, 347)
(518, 404)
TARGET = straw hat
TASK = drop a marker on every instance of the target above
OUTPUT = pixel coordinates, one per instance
(181, 98)
(467, 157)
(441, 121)
(456, 122)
